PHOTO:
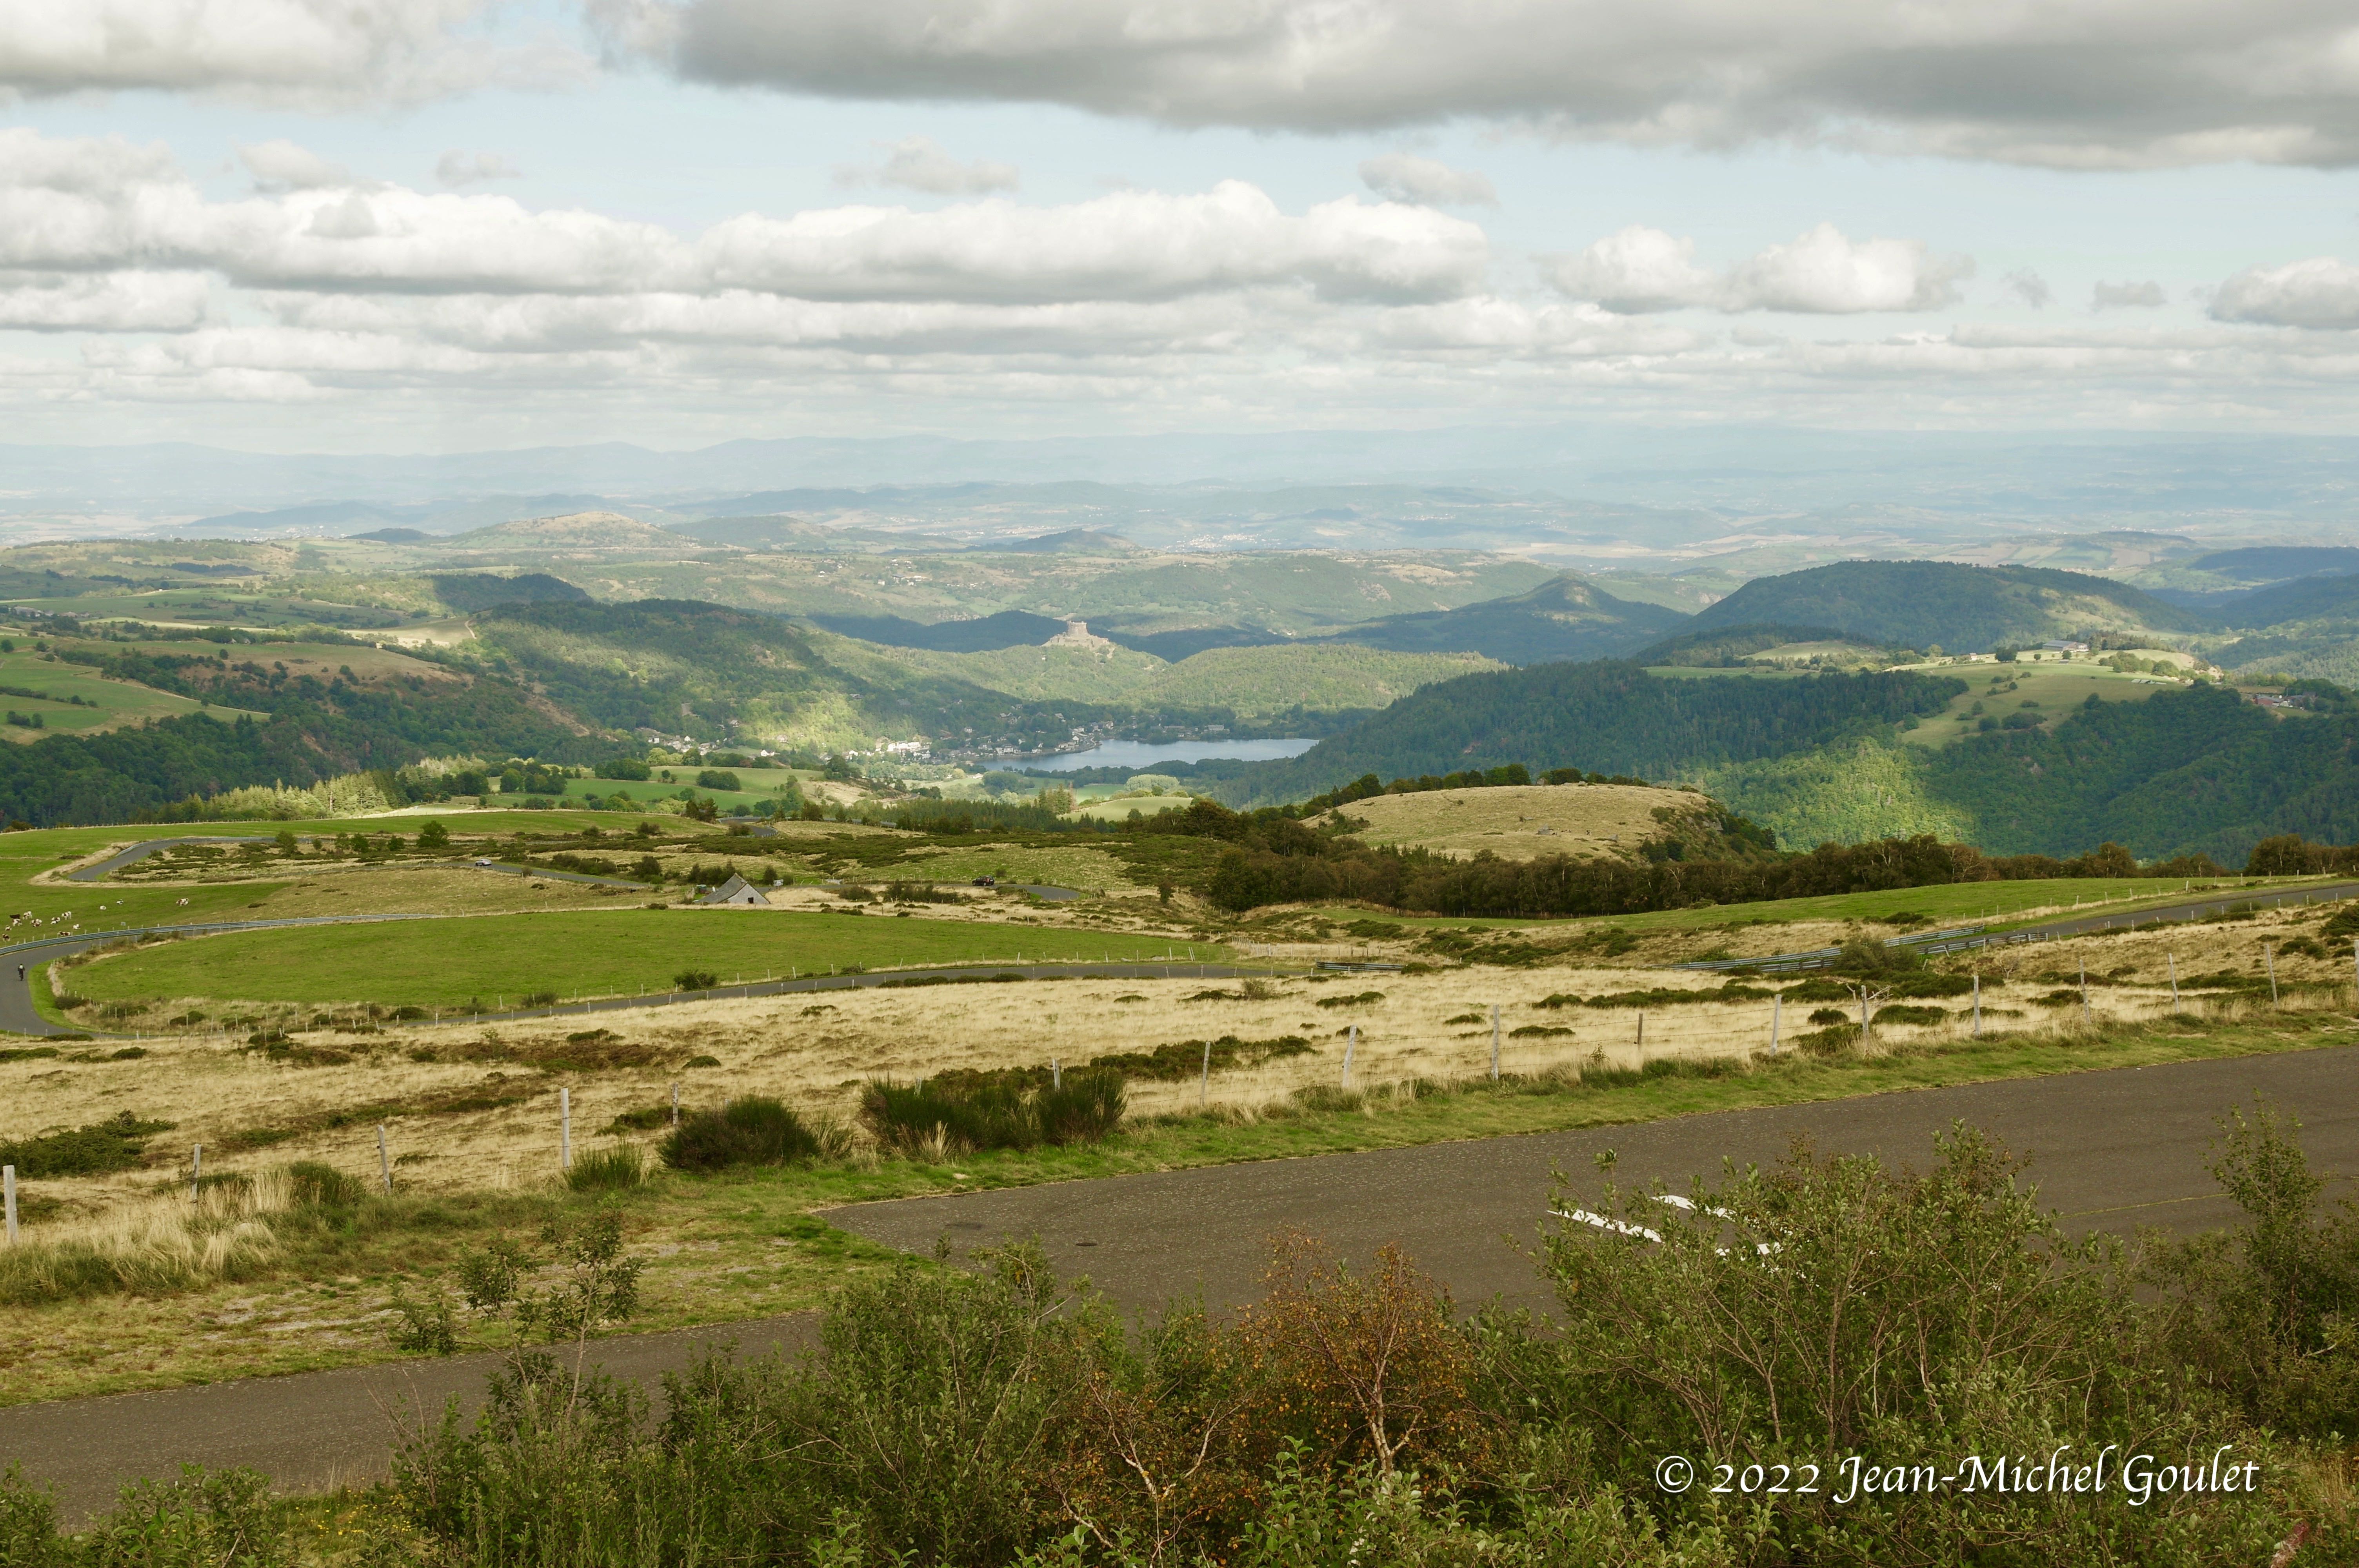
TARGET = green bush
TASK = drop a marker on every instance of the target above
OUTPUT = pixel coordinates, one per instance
(695, 981)
(752, 1130)
(716, 778)
(617, 1169)
(118, 1143)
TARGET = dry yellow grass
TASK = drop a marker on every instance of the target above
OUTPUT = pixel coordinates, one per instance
(815, 1050)
(1521, 822)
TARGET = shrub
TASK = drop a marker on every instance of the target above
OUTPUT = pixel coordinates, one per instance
(995, 1113)
(434, 836)
(607, 1170)
(316, 1185)
(715, 778)
(752, 1130)
(695, 981)
(115, 1145)
(540, 998)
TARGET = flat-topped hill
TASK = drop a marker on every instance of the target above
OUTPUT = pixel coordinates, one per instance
(1523, 822)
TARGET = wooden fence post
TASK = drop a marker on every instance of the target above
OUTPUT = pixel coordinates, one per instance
(1776, 1017)
(565, 1129)
(2174, 973)
(2269, 956)
(675, 1104)
(383, 1161)
(1204, 1084)
(1978, 1004)
(1350, 1045)
(1495, 1041)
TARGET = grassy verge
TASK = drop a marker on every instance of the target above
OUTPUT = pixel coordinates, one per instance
(736, 1248)
(451, 964)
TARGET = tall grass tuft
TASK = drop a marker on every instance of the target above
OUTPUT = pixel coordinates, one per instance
(162, 1243)
(613, 1170)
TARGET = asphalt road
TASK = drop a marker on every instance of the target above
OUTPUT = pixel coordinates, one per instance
(123, 857)
(2116, 1150)
(311, 1431)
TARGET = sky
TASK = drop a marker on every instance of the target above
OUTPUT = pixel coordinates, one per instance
(445, 225)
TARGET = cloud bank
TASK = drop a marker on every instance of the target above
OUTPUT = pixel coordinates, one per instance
(2070, 84)
(125, 283)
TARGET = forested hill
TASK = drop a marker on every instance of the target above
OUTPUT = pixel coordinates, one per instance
(315, 729)
(2188, 771)
(1963, 608)
(1607, 716)
(1564, 617)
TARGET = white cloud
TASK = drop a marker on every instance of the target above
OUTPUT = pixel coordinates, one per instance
(455, 168)
(1125, 245)
(2323, 292)
(919, 163)
(2126, 297)
(442, 310)
(281, 166)
(1641, 269)
(2074, 84)
(1401, 177)
(2030, 287)
(115, 302)
(310, 53)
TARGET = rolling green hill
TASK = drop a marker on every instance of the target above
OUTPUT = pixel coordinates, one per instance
(1603, 717)
(678, 665)
(1922, 604)
(1564, 617)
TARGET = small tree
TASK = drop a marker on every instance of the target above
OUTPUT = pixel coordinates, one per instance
(434, 836)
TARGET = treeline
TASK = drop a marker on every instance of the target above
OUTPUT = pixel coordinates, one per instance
(1613, 717)
(1274, 860)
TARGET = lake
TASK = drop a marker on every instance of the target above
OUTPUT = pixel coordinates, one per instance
(1141, 757)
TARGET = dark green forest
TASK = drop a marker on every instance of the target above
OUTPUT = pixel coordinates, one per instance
(2189, 771)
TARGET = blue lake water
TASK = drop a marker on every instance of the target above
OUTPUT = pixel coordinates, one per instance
(1142, 758)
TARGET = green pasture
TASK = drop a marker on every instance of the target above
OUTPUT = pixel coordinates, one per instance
(1053, 865)
(1959, 904)
(2055, 688)
(1120, 810)
(105, 705)
(453, 963)
(767, 785)
(217, 607)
